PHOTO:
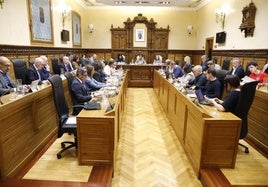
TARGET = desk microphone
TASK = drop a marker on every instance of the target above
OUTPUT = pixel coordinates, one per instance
(4, 93)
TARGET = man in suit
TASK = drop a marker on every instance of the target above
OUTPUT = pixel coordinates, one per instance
(204, 62)
(237, 68)
(45, 71)
(79, 91)
(34, 70)
(66, 65)
(7, 85)
(200, 80)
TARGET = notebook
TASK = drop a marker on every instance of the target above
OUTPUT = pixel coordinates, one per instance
(201, 98)
(33, 85)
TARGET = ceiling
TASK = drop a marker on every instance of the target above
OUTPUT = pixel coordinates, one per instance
(137, 3)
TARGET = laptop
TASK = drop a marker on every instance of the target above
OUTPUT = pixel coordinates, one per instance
(34, 85)
(201, 98)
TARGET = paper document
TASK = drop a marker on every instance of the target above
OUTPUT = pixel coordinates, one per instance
(71, 120)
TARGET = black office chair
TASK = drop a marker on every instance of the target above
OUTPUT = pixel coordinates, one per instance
(79, 106)
(55, 65)
(20, 70)
(246, 99)
(221, 74)
(226, 64)
(63, 114)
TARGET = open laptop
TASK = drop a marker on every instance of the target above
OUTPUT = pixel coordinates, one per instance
(34, 85)
(201, 98)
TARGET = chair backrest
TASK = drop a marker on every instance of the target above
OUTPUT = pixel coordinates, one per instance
(59, 97)
(221, 74)
(20, 70)
(245, 101)
(69, 76)
(226, 64)
(55, 65)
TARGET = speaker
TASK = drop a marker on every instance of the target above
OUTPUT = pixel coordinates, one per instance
(65, 35)
(220, 37)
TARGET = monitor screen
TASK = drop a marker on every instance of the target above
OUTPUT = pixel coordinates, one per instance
(220, 37)
(65, 35)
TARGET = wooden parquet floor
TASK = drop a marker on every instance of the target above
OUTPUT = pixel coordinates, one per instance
(48, 167)
(148, 152)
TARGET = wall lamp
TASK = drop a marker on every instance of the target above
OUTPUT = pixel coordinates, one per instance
(1, 3)
(90, 28)
(66, 13)
(190, 29)
(220, 17)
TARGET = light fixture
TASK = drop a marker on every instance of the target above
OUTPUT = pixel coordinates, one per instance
(90, 28)
(190, 29)
(66, 13)
(1, 3)
(220, 17)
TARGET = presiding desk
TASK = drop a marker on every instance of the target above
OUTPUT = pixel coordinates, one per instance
(209, 137)
(98, 131)
(140, 75)
(27, 124)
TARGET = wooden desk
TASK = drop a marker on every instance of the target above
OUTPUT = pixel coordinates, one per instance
(258, 122)
(27, 125)
(140, 75)
(98, 132)
(209, 137)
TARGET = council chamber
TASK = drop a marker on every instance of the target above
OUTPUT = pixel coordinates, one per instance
(144, 125)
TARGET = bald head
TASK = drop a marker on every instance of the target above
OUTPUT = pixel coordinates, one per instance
(4, 64)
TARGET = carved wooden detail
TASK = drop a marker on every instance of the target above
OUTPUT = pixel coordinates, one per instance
(122, 38)
(248, 19)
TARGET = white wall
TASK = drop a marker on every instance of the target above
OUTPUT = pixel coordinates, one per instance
(15, 25)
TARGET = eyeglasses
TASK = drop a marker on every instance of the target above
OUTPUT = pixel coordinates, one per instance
(209, 64)
(6, 65)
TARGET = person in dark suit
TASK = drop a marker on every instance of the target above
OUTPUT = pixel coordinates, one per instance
(200, 79)
(66, 65)
(7, 85)
(78, 87)
(204, 62)
(99, 75)
(237, 68)
(45, 71)
(34, 70)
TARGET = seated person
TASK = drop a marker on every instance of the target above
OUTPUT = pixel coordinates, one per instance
(140, 59)
(255, 73)
(237, 68)
(91, 84)
(7, 85)
(45, 71)
(232, 83)
(34, 70)
(200, 80)
(79, 91)
(109, 69)
(66, 65)
(212, 65)
(175, 70)
(188, 75)
(99, 74)
(120, 59)
(157, 60)
(204, 62)
(213, 86)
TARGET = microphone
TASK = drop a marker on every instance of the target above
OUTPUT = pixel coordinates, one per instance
(4, 93)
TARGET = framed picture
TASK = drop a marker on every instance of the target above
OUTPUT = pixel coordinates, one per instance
(76, 21)
(40, 19)
(140, 35)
